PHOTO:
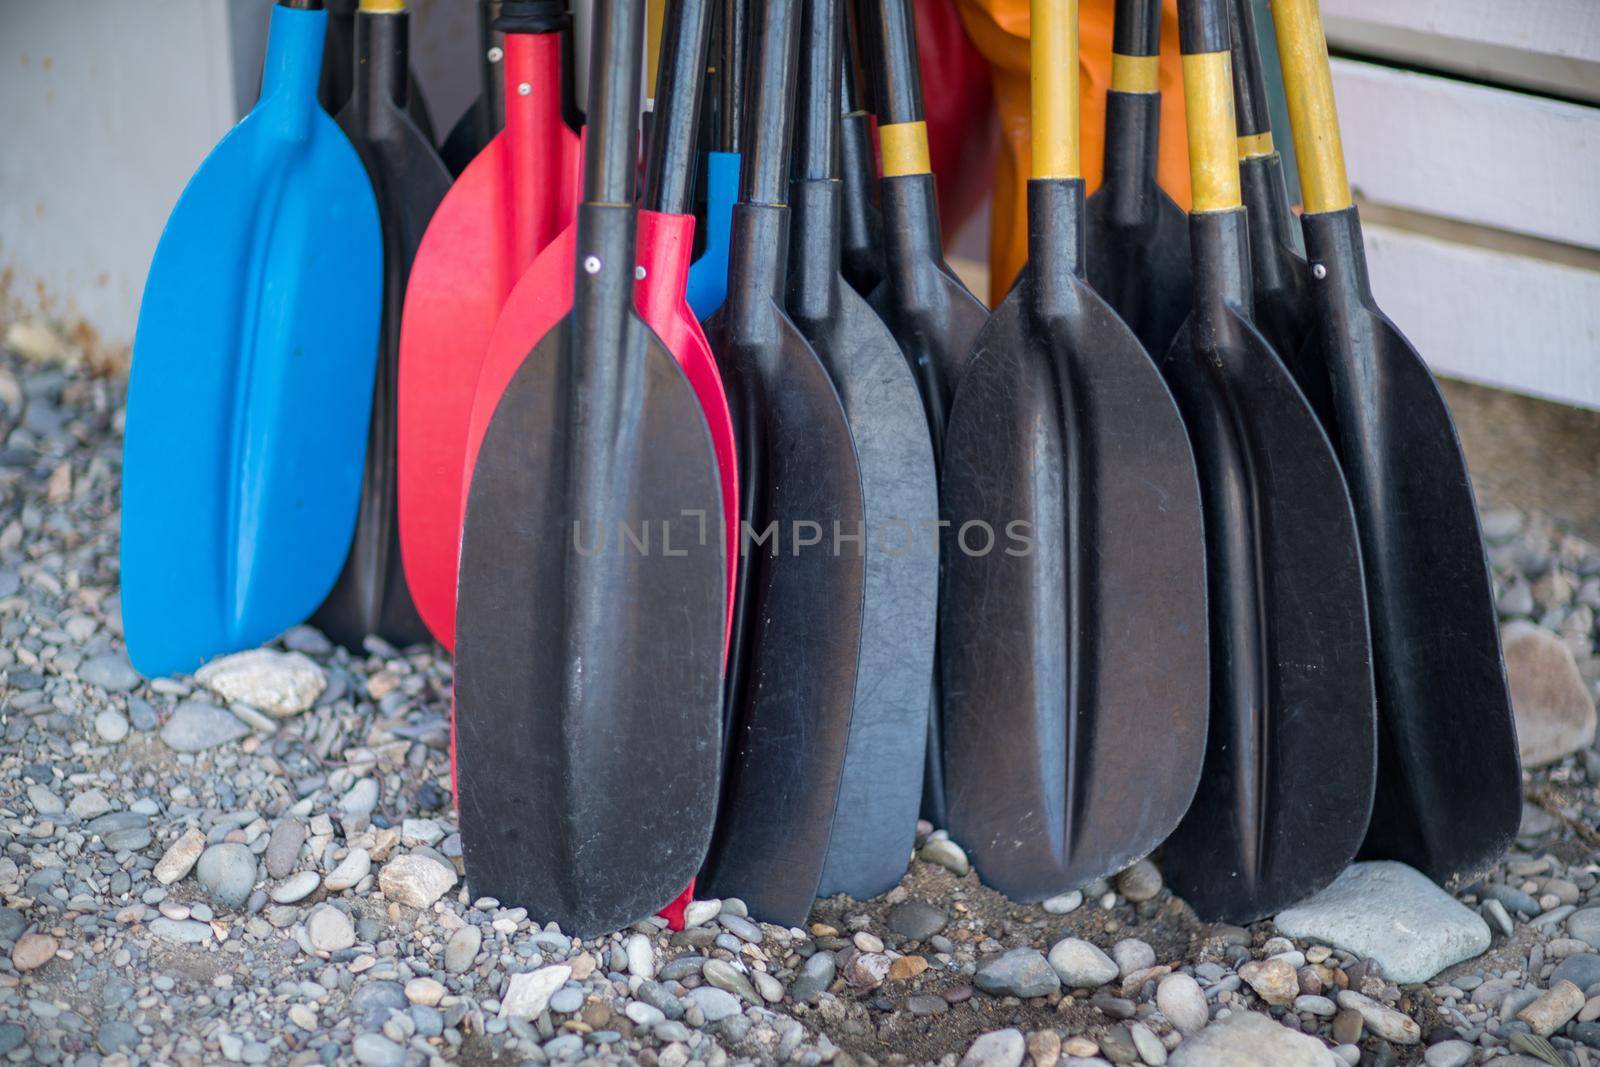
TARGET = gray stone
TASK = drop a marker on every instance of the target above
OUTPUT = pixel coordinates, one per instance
(142, 715)
(742, 928)
(1183, 1002)
(11, 1035)
(1021, 972)
(111, 726)
(916, 921)
(111, 672)
(372, 1003)
(997, 1048)
(1585, 926)
(115, 1036)
(1448, 1054)
(296, 888)
(1140, 882)
(227, 872)
(45, 802)
(195, 727)
(816, 975)
(567, 1000)
(1582, 971)
(375, 1050)
(1513, 898)
(330, 929)
(724, 975)
(350, 871)
(462, 949)
(661, 998)
(182, 931)
(1384, 1021)
(1080, 964)
(90, 804)
(1389, 912)
(945, 853)
(1131, 955)
(1064, 903)
(1249, 1039)
(1554, 709)
(715, 1004)
(283, 847)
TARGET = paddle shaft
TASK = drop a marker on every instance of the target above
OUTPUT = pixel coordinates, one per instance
(732, 70)
(861, 228)
(674, 135)
(1133, 109)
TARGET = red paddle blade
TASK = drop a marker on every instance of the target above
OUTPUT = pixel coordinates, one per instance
(510, 202)
(666, 244)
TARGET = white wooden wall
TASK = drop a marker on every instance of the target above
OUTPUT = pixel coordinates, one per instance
(1486, 172)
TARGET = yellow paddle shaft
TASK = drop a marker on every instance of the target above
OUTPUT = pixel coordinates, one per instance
(1308, 85)
(1213, 147)
(1053, 60)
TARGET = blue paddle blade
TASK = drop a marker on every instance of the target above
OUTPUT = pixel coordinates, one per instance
(252, 378)
(708, 275)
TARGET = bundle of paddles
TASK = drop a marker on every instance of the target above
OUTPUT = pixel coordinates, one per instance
(754, 534)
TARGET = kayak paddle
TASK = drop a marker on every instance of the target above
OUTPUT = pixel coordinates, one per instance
(861, 233)
(504, 209)
(409, 180)
(338, 69)
(797, 616)
(1450, 784)
(486, 115)
(252, 376)
(875, 822)
(708, 275)
(932, 315)
(1287, 787)
(1279, 273)
(1138, 237)
(1073, 613)
(589, 637)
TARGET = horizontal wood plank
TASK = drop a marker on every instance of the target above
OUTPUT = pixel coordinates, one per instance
(1492, 317)
(1491, 157)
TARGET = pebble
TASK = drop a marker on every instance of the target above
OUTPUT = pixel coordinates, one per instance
(641, 956)
(1387, 1023)
(816, 975)
(947, 854)
(462, 949)
(1081, 965)
(700, 912)
(714, 1004)
(180, 857)
(111, 672)
(361, 798)
(111, 725)
(350, 871)
(181, 931)
(227, 872)
(33, 951)
(1182, 1001)
(998, 1048)
(1273, 980)
(916, 921)
(1582, 971)
(1554, 708)
(1140, 882)
(1132, 955)
(329, 929)
(195, 727)
(1389, 912)
(425, 991)
(1448, 1054)
(528, 993)
(1020, 972)
(282, 684)
(1063, 903)
(89, 804)
(375, 1050)
(725, 976)
(297, 888)
(1250, 1039)
(1311, 1004)
(415, 881)
(1148, 1045)
(283, 847)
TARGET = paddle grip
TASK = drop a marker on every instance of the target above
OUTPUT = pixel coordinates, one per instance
(1249, 82)
(897, 82)
(532, 16)
(674, 136)
(1203, 27)
(732, 68)
(816, 121)
(767, 121)
(1136, 28)
(1053, 47)
(612, 143)
(1205, 40)
(301, 5)
(1308, 86)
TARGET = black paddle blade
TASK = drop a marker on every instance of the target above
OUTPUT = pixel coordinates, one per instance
(1073, 611)
(1287, 789)
(371, 596)
(797, 614)
(1449, 778)
(1280, 275)
(589, 641)
(338, 69)
(874, 825)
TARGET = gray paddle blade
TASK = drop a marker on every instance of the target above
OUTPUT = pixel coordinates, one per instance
(1449, 778)
(589, 641)
(874, 823)
(1284, 800)
(1073, 610)
(797, 614)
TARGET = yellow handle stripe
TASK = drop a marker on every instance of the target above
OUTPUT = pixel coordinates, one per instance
(904, 146)
(655, 12)
(1134, 74)
(1256, 145)
(1213, 157)
(383, 7)
(1308, 85)
(1054, 66)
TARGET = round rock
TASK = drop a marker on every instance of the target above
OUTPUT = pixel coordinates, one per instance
(1081, 965)
(227, 872)
(330, 929)
(1021, 972)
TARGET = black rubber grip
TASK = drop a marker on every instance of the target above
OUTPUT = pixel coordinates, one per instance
(897, 79)
(1203, 27)
(533, 16)
(1136, 28)
(1252, 115)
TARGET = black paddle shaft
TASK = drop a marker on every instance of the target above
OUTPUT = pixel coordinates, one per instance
(409, 181)
(669, 175)
(874, 823)
(797, 613)
(861, 235)
(1138, 239)
(1286, 791)
(589, 632)
(1278, 267)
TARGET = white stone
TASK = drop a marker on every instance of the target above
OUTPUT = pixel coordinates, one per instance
(296, 887)
(529, 993)
(1387, 1023)
(641, 956)
(1080, 965)
(180, 857)
(351, 870)
(415, 881)
(1389, 912)
(1183, 1002)
(281, 684)
(1250, 1039)
(997, 1048)
(111, 725)
(330, 929)
(700, 912)
(1064, 903)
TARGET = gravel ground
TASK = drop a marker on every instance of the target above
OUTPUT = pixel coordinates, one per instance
(261, 865)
